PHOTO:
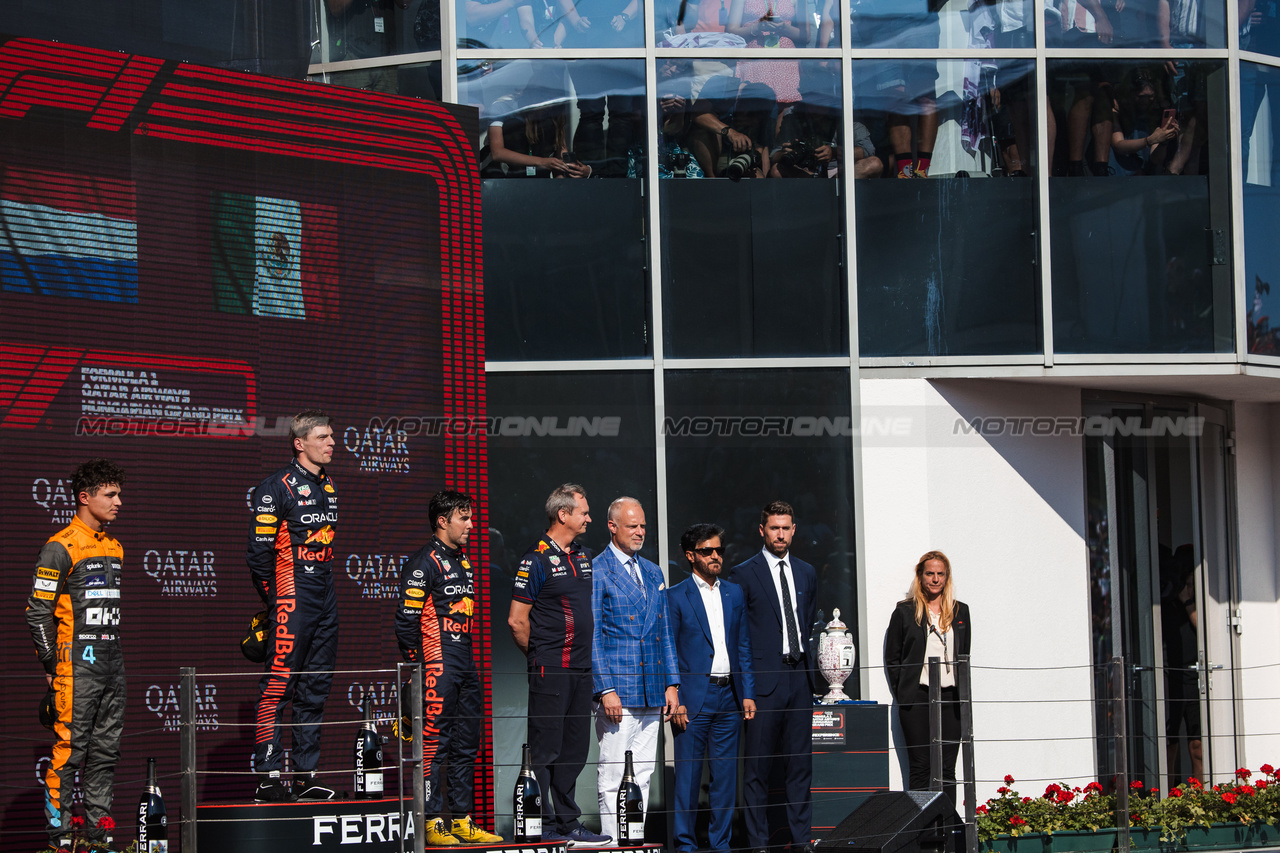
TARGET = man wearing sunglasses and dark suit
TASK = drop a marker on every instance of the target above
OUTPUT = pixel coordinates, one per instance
(713, 649)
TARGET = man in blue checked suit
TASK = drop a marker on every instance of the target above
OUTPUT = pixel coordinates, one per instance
(633, 660)
(713, 646)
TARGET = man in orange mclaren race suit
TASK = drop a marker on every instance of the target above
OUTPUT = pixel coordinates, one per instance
(74, 615)
(434, 623)
(290, 554)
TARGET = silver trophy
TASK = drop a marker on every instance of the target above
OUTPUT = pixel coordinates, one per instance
(837, 654)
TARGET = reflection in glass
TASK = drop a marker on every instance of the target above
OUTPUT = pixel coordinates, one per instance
(555, 118)
(743, 23)
(1260, 160)
(368, 29)
(595, 429)
(947, 266)
(417, 81)
(739, 439)
(499, 23)
(1260, 26)
(914, 24)
(1142, 265)
(739, 243)
(1146, 23)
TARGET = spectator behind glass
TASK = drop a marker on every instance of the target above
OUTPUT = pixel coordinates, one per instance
(808, 144)
(364, 29)
(604, 88)
(500, 23)
(731, 119)
(528, 124)
(904, 89)
(599, 23)
(1143, 131)
(772, 23)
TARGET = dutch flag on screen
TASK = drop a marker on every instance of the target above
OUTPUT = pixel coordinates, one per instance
(64, 234)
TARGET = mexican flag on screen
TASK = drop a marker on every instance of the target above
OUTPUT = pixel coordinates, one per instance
(275, 257)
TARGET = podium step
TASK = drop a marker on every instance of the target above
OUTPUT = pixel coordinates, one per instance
(370, 826)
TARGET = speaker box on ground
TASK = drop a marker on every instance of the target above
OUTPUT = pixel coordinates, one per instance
(895, 821)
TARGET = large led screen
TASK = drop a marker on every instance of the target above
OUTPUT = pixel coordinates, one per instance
(188, 257)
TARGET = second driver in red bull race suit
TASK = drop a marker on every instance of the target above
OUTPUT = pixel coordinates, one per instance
(434, 623)
(290, 554)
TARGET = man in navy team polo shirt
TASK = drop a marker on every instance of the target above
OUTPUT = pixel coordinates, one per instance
(551, 622)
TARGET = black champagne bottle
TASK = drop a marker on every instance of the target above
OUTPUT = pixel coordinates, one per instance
(153, 823)
(630, 807)
(528, 801)
(368, 777)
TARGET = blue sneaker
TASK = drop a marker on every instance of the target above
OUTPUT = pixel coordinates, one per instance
(554, 838)
(580, 836)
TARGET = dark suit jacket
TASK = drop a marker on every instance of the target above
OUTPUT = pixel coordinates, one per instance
(694, 649)
(764, 616)
(904, 645)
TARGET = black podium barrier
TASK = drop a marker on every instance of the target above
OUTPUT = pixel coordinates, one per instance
(898, 820)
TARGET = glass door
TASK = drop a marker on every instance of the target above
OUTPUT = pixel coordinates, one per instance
(1163, 590)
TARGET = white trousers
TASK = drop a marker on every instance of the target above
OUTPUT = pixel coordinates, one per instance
(637, 732)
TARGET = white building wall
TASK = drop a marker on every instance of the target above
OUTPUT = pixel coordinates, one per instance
(1008, 511)
(1258, 500)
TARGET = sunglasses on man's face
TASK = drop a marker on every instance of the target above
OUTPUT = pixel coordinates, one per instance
(707, 552)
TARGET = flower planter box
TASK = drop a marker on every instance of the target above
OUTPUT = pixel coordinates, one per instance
(1222, 836)
(1063, 841)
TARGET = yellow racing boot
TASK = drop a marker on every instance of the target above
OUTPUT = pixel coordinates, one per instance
(437, 835)
(468, 833)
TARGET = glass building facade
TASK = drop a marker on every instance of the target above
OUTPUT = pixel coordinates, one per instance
(1006, 186)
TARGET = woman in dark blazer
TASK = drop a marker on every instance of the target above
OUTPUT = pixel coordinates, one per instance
(929, 622)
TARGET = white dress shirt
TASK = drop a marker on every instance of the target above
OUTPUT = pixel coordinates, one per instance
(623, 559)
(801, 628)
(715, 618)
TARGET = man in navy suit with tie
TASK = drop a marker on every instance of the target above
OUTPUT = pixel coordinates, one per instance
(633, 661)
(781, 605)
(713, 646)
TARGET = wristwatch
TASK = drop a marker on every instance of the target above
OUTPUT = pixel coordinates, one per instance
(724, 133)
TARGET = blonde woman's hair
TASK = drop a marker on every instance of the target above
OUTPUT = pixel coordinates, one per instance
(916, 593)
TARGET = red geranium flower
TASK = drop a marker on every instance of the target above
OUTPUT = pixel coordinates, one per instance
(1244, 789)
(1008, 780)
(1093, 786)
(1267, 768)
(1176, 792)
(1155, 791)
(1002, 790)
(1260, 784)
(1229, 798)
(981, 809)
(1052, 791)
(1243, 773)
(77, 822)
(105, 822)
(1136, 784)
(1017, 821)
(1194, 782)
(1026, 799)
(1065, 797)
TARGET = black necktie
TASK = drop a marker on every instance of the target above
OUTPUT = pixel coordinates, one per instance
(789, 612)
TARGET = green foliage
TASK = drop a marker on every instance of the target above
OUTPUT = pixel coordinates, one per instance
(1062, 807)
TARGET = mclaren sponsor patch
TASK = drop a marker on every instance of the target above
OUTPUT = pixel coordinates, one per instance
(43, 572)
